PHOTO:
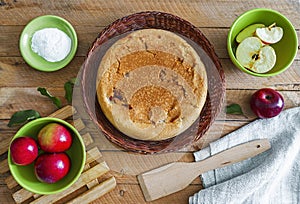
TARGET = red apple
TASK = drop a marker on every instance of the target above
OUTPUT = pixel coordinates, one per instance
(266, 103)
(54, 137)
(52, 167)
(23, 150)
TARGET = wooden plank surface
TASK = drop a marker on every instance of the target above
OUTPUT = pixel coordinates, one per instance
(205, 13)
(28, 96)
(18, 82)
(87, 34)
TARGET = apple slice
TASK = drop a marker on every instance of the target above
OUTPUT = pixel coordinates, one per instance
(270, 35)
(248, 32)
(251, 54)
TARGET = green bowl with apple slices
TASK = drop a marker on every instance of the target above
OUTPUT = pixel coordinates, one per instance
(25, 176)
(285, 49)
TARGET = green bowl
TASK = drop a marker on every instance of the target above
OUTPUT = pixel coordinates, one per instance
(41, 22)
(25, 176)
(286, 48)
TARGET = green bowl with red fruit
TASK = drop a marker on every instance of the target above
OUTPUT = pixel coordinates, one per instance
(274, 60)
(46, 155)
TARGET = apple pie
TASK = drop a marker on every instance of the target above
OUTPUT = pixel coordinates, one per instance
(151, 84)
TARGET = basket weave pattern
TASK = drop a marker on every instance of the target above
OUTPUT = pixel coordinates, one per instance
(174, 24)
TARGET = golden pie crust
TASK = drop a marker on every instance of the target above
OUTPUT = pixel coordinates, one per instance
(151, 84)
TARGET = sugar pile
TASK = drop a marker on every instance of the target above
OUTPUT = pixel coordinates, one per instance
(51, 43)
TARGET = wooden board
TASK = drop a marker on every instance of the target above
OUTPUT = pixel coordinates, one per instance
(206, 12)
(94, 181)
(18, 82)
(87, 34)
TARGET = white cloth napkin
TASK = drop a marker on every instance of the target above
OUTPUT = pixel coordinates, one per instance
(271, 177)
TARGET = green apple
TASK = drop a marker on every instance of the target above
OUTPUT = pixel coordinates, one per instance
(254, 55)
(270, 35)
(248, 32)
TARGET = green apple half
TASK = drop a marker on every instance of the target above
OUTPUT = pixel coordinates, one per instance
(254, 55)
(248, 32)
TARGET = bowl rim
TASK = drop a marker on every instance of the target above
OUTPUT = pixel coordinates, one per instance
(48, 119)
(232, 55)
(64, 61)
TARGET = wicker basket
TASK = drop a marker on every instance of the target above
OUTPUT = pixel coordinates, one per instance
(159, 20)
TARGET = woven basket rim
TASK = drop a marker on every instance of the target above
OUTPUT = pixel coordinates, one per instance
(155, 19)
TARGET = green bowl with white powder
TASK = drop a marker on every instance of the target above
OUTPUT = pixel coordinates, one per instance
(48, 43)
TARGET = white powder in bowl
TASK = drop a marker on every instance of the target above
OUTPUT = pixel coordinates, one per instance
(51, 43)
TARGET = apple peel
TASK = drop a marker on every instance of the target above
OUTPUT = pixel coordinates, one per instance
(23, 150)
(249, 31)
(266, 103)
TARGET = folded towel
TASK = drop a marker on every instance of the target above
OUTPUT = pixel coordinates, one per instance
(271, 177)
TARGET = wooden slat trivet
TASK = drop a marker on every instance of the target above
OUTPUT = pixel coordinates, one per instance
(93, 172)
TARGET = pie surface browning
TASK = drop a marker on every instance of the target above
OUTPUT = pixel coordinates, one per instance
(151, 85)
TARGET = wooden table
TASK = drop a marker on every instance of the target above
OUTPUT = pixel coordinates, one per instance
(18, 82)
